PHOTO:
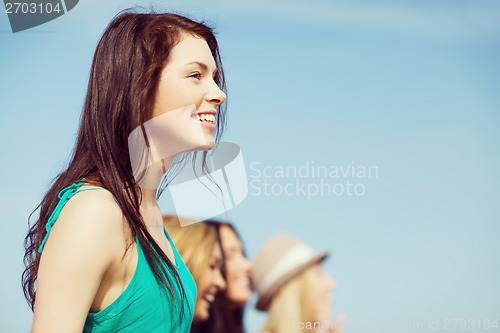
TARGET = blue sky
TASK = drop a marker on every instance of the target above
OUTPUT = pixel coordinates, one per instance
(409, 87)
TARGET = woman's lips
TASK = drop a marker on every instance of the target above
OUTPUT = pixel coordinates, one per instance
(208, 125)
(207, 119)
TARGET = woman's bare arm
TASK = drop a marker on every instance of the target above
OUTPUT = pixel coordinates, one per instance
(83, 243)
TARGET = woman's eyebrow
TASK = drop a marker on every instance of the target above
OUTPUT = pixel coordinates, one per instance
(202, 65)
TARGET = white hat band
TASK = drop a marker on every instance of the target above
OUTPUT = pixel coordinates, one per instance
(299, 254)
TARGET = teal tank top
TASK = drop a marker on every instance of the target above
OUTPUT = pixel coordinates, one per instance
(144, 306)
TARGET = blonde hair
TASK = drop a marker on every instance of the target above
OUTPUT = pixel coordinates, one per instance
(194, 243)
(291, 305)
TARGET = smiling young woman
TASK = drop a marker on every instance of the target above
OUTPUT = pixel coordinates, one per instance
(98, 258)
(200, 248)
(227, 310)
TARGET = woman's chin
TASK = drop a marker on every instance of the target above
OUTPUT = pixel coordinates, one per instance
(202, 311)
(210, 144)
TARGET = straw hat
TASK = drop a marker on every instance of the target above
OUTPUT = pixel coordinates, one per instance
(281, 259)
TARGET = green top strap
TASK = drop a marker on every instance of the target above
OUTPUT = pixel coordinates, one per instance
(99, 188)
(64, 195)
(144, 306)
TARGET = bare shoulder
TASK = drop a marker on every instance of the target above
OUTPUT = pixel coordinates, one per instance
(85, 241)
(90, 220)
(97, 205)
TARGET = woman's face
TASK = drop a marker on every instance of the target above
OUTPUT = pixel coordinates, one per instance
(188, 97)
(237, 267)
(210, 283)
(323, 286)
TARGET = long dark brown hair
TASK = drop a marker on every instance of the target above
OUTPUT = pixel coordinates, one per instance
(224, 315)
(122, 88)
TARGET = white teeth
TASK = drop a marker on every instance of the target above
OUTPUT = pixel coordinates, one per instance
(210, 298)
(206, 117)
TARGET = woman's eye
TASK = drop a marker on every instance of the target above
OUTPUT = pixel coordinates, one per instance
(195, 75)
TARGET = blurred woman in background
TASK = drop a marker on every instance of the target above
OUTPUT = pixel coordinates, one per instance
(293, 289)
(226, 313)
(199, 246)
(194, 242)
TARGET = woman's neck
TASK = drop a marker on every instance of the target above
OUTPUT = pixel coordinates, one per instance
(149, 186)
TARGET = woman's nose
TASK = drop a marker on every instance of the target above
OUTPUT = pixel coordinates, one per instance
(216, 95)
(247, 264)
(219, 282)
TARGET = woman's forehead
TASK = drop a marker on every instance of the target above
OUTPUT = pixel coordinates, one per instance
(192, 50)
(229, 238)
